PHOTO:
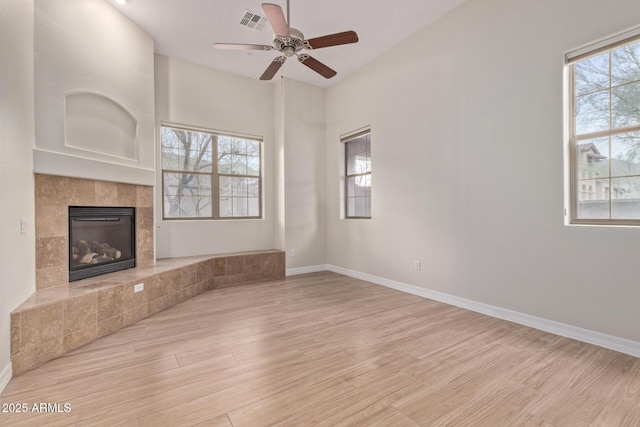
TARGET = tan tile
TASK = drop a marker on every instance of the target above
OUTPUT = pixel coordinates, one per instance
(79, 338)
(51, 252)
(188, 276)
(202, 287)
(127, 195)
(111, 325)
(52, 221)
(174, 298)
(46, 190)
(252, 263)
(272, 265)
(171, 280)
(133, 299)
(221, 282)
(190, 291)
(136, 314)
(144, 196)
(144, 218)
(43, 352)
(110, 302)
(79, 192)
(211, 266)
(220, 266)
(269, 261)
(234, 264)
(80, 313)
(178, 297)
(106, 193)
(281, 263)
(205, 270)
(39, 325)
(52, 276)
(146, 258)
(157, 288)
(16, 367)
(15, 333)
(158, 305)
(144, 247)
(53, 190)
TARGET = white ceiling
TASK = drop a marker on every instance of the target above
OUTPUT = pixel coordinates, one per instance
(187, 29)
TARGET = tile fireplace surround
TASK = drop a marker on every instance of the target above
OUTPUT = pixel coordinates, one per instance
(54, 195)
(63, 316)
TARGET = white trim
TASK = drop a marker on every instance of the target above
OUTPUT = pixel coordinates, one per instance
(603, 43)
(346, 137)
(305, 270)
(5, 376)
(54, 163)
(611, 342)
(215, 132)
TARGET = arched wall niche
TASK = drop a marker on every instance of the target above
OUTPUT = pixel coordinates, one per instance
(96, 123)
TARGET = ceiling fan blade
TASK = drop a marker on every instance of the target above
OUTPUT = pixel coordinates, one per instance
(336, 39)
(317, 66)
(273, 68)
(241, 46)
(276, 19)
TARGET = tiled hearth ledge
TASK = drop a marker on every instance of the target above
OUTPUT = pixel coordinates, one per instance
(56, 320)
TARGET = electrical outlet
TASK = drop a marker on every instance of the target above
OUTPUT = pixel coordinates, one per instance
(292, 252)
(416, 265)
(138, 288)
(23, 226)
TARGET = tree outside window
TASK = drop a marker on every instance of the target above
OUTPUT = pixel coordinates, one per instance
(208, 175)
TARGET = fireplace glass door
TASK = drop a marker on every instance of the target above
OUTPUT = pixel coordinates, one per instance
(101, 240)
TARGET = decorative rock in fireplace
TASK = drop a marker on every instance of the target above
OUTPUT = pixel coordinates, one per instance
(101, 240)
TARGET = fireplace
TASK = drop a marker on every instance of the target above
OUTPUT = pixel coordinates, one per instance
(101, 240)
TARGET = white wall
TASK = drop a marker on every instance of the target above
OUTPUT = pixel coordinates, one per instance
(467, 146)
(17, 256)
(279, 165)
(304, 174)
(88, 46)
(194, 95)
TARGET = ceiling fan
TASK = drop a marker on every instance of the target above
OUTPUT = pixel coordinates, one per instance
(290, 41)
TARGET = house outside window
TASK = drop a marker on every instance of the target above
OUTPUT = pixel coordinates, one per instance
(357, 154)
(210, 175)
(604, 126)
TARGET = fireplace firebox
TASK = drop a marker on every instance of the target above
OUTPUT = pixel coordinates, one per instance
(101, 240)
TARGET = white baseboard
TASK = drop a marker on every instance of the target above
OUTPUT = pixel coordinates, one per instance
(585, 335)
(5, 376)
(305, 270)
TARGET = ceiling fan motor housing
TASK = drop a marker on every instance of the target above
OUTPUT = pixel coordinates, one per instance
(289, 46)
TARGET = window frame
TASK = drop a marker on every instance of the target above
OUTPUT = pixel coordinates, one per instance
(344, 140)
(599, 47)
(214, 174)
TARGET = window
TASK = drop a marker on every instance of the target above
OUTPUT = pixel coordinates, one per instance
(357, 149)
(605, 131)
(210, 175)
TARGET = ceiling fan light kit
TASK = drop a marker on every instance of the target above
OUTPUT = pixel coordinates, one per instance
(290, 41)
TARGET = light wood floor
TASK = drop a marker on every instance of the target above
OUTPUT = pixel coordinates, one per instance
(324, 349)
